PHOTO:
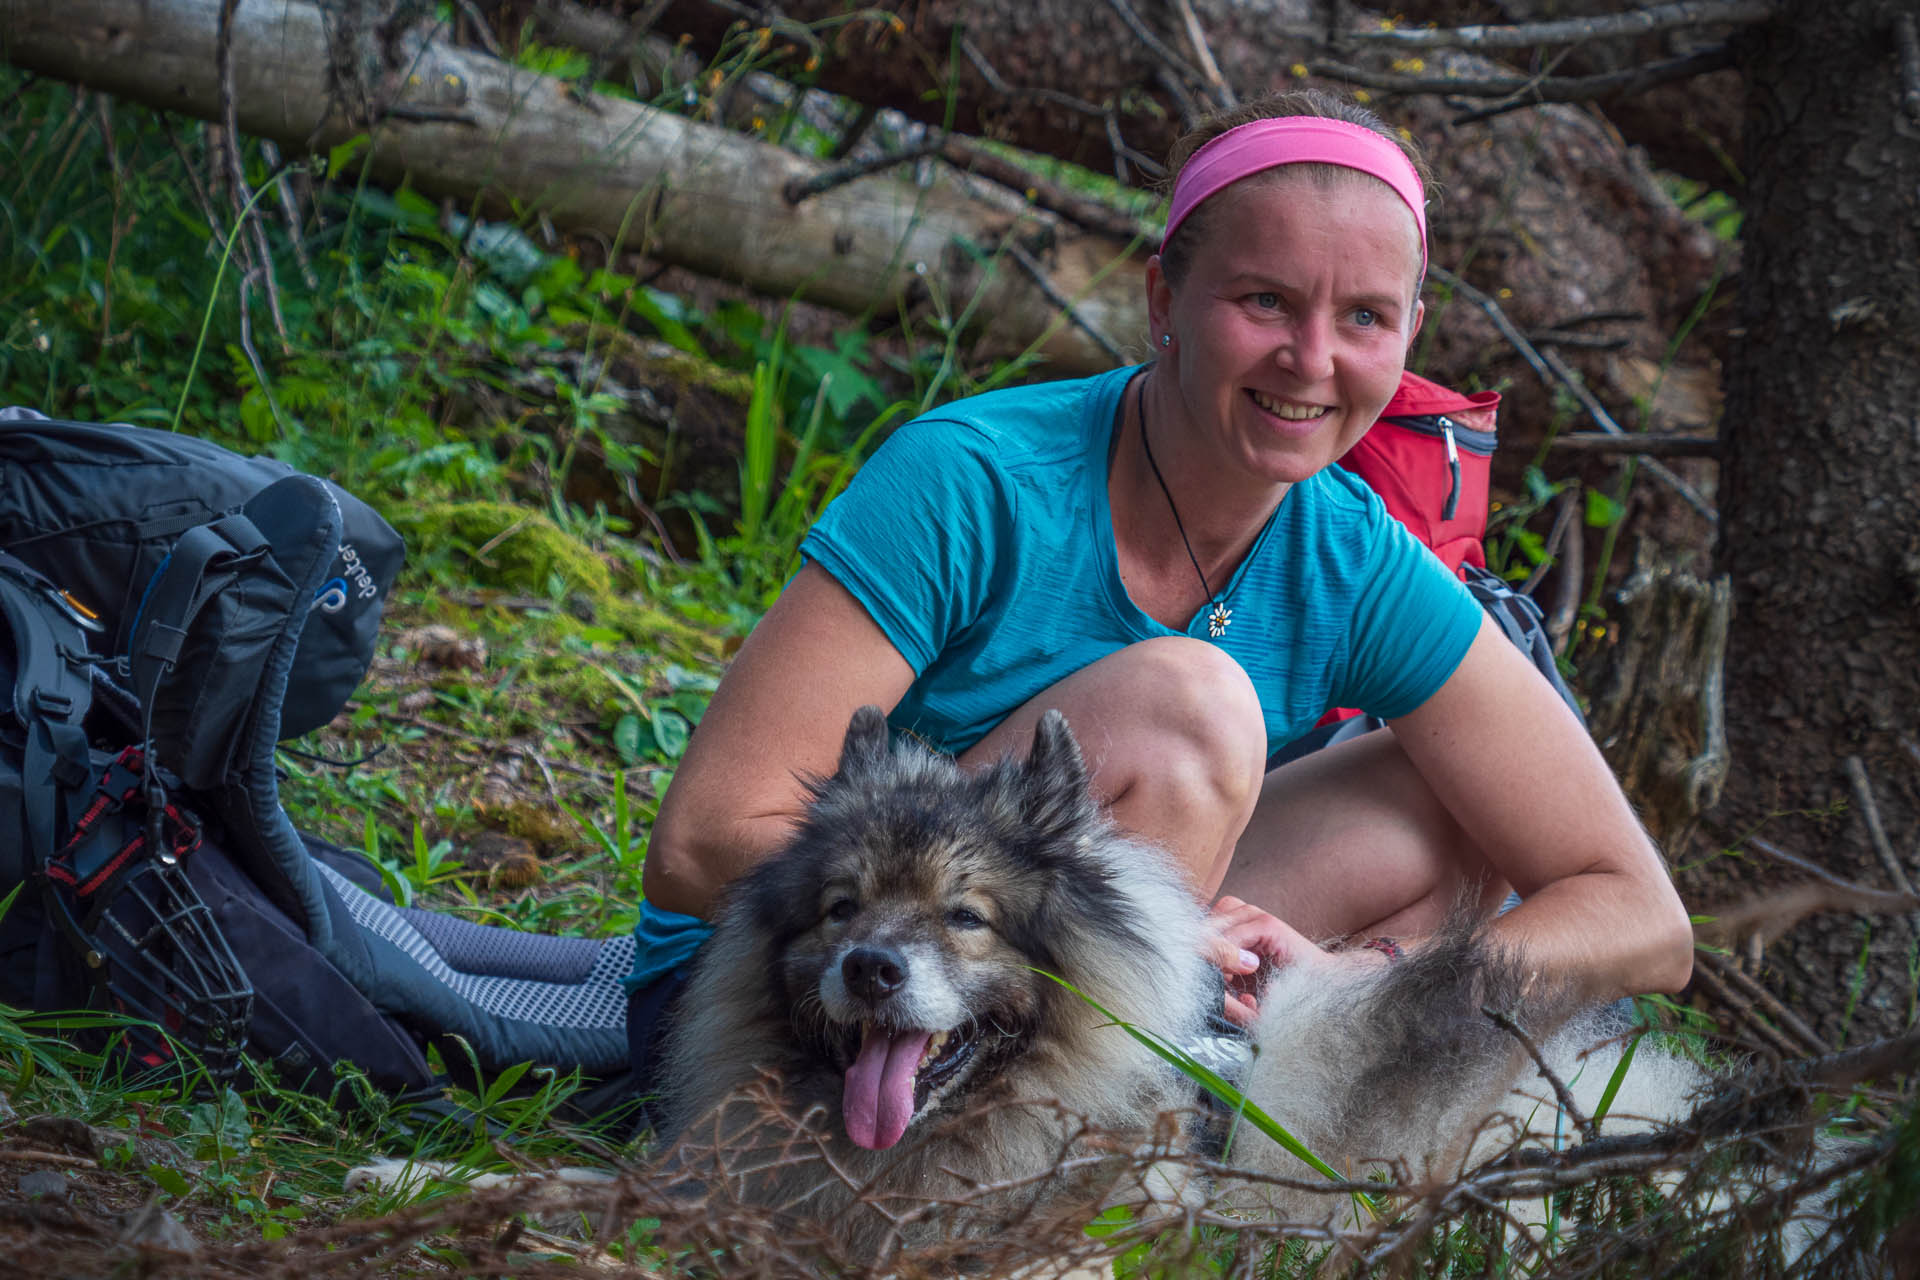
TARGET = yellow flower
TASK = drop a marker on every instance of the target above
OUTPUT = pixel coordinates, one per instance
(1299, 70)
(1410, 65)
(1361, 95)
(1505, 292)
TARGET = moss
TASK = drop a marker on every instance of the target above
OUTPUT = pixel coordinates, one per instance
(507, 546)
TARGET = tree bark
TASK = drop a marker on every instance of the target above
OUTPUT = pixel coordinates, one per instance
(694, 195)
(1821, 498)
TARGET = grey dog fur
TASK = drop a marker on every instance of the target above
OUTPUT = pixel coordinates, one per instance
(1364, 1063)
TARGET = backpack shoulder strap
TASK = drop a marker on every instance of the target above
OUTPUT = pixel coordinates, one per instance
(51, 693)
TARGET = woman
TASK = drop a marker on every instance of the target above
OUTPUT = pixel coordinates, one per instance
(1166, 555)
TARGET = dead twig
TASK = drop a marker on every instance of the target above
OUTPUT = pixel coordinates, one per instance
(1870, 814)
(970, 157)
(1598, 412)
(1203, 52)
(1062, 301)
(1588, 1129)
(1760, 1034)
(1527, 90)
(594, 776)
(1648, 444)
(1123, 154)
(1525, 35)
(1551, 370)
(1809, 1040)
(827, 179)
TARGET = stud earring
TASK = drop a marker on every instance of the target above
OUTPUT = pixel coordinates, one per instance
(1166, 339)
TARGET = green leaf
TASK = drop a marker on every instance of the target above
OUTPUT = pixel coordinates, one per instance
(626, 738)
(1214, 1084)
(1617, 1078)
(505, 1081)
(1602, 511)
(169, 1181)
(338, 157)
(670, 731)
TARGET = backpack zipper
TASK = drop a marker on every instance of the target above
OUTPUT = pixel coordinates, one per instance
(1480, 443)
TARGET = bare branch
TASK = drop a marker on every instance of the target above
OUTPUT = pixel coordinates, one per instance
(1738, 980)
(1505, 1022)
(1591, 403)
(1197, 37)
(970, 157)
(1517, 91)
(1870, 813)
(1155, 45)
(998, 83)
(1552, 369)
(1062, 301)
(801, 188)
(1638, 22)
(1647, 444)
(1898, 1056)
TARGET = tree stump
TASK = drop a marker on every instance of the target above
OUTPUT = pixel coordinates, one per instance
(1658, 712)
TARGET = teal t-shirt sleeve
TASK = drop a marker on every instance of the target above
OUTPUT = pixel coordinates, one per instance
(663, 941)
(913, 536)
(1412, 624)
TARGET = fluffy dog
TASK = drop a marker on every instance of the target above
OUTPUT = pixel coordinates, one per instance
(880, 989)
(890, 970)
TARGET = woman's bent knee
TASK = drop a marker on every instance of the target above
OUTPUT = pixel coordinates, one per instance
(1189, 700)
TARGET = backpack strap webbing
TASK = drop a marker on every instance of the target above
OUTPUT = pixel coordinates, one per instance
(51, 693)
(205, 561)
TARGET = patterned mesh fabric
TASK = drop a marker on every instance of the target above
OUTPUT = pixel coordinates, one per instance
(546, 985)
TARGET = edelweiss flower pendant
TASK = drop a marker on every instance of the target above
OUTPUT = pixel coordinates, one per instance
(1217, 620)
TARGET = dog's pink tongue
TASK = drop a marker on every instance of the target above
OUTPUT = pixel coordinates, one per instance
(879, 1097)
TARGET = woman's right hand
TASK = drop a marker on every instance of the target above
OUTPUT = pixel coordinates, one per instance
(1247, 945)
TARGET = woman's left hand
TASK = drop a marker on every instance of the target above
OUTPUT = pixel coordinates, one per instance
(1247, 944)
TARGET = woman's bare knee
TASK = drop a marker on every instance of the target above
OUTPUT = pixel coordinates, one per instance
(1174, 740)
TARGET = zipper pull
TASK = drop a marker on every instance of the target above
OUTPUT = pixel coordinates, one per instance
(1453, 469)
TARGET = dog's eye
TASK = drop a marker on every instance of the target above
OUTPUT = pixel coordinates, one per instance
(965, 918)
(843, 910)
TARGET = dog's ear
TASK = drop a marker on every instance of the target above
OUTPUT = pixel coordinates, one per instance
(1056, 796)
(866, 745)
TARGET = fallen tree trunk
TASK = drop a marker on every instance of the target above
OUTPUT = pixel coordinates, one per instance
(459, 123)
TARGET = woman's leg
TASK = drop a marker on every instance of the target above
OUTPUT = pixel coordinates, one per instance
(1173, 737)
(1352, 841)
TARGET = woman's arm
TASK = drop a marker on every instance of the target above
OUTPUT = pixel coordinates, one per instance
(780, 714)
(1518, 771)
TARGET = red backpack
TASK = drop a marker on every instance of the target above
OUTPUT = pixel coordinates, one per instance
(1428, 457)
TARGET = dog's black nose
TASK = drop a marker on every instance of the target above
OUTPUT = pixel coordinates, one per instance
(874, 973)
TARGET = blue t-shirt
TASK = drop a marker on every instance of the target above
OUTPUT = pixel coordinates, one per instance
(979, 540)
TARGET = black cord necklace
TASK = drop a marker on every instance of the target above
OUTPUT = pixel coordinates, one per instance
(1219, 616)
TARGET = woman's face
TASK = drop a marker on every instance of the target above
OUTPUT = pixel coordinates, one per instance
(1291, 327)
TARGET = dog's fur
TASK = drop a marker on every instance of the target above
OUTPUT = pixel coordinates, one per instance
(1364, 1063)
(967, 884)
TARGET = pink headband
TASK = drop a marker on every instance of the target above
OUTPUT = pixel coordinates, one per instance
(1265, 144)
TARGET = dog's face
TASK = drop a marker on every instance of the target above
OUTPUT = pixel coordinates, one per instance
(912, 909)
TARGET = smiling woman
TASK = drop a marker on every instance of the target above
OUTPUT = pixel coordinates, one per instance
(1166, 555)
